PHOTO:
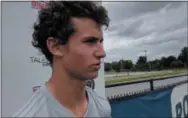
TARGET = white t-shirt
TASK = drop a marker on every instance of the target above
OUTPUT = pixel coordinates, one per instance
(43, 104)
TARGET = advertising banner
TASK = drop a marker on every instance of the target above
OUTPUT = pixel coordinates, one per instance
(155, 104)
(179, 101)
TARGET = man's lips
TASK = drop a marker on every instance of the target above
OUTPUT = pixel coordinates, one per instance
(97, 65)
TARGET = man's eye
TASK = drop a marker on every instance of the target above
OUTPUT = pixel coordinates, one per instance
(101, 41)
(92, 40)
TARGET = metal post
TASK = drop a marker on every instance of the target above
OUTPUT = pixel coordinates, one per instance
(149, 66)
(151, 85)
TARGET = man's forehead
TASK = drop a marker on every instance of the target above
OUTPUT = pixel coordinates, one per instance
(87, 25)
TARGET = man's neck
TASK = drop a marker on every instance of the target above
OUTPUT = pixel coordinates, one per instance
(69, 92)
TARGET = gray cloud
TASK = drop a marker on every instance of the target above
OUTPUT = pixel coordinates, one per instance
(122, 10)
(160, 27)
(131, 29)
(180, 35)
(175, 27)
(145, 7)
(173, 5)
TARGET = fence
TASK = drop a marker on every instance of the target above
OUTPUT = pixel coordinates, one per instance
(153, 84)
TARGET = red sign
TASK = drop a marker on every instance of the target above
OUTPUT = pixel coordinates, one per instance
(38, 5)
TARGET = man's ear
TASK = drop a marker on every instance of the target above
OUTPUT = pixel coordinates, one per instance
(53, 47)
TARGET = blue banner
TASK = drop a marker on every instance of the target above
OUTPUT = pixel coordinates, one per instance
(156, 104)
(169, 103)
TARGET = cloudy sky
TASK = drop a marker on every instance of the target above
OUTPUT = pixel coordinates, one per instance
(158, 27)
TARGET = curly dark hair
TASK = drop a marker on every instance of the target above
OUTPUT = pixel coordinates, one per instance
(55, 21)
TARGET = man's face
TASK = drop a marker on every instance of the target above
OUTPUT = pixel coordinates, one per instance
(84, 50)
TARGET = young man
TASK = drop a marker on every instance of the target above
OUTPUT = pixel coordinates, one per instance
(70, 36)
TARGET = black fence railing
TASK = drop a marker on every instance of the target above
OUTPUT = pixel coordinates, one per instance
(132, 95)
(151, 88)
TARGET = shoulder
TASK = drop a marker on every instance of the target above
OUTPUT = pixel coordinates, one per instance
(34, 107)
(101, 102)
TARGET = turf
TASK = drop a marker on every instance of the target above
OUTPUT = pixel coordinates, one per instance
(161, 74)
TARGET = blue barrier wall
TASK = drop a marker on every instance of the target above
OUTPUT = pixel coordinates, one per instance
(155, 104)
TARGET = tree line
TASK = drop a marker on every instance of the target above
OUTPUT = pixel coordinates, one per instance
(142, 64)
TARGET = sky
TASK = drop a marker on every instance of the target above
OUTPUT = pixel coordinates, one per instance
(158, 27)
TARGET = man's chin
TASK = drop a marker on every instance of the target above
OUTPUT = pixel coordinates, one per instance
(93, 75)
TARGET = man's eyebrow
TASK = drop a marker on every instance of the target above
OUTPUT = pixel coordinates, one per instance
(93, 37)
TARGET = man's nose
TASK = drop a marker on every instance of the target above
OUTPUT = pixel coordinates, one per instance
(100, 52)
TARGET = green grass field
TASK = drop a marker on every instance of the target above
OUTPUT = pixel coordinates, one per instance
(160, 74)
